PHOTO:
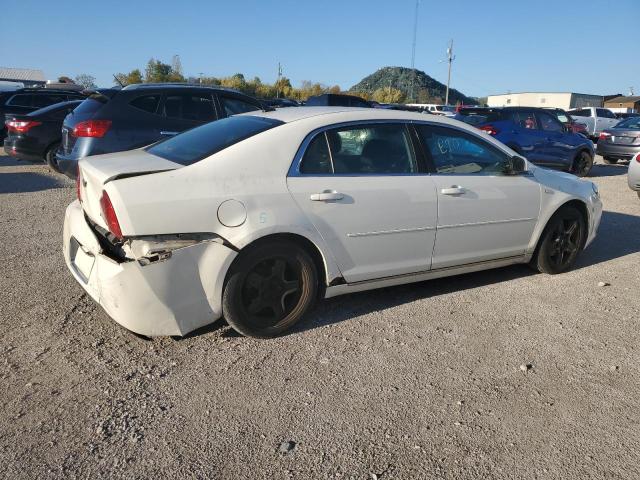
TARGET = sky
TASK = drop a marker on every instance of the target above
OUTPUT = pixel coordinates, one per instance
(586, 46)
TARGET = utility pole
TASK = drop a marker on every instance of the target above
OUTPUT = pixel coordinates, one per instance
(278, 80)
(413, 53)
(450, 58)
(631, 92)
(200, 78)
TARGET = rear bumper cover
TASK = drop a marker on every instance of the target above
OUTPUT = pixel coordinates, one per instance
(17, 148)
(618, 151)
(171, 297)
(67, 164)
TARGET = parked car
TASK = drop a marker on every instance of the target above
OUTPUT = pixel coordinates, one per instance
(621, 142)
(633, 176)
(25, 100)
(595, 119)
(337, 100)
(138, 115)
(435, 109)
(536, 134)
(279, 102)
(256, 216)
(624, 115)
(568, 121)
(36, 136)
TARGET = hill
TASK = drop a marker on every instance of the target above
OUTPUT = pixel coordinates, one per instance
(426, 89)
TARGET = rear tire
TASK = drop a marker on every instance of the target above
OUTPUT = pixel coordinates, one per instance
(610, 160)
(560, 242)
(269, 288)
(582, 164)
(50, 157)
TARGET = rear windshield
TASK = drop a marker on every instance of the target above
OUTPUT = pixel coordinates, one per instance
(200, 142)
(96, 100)
(580, 113)
(632, 123)
(56, 106)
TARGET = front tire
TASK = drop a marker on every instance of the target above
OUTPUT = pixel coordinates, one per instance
(269, 288)
(582, 164)
(560, 242)
(50, 157)
(610, 160)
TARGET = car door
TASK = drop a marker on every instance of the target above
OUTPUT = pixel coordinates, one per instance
(527, 135)
(187, 109)
(557, 150)
(484, 213)
(367, 194)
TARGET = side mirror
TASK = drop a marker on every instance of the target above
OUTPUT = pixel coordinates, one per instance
(516, 165)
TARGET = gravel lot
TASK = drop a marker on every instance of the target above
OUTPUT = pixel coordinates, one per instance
(412, 382)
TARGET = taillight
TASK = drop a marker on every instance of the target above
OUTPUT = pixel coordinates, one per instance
(21, 126)
(638, 158)
(490, 129)
(109, 215)
(604, 136)
(91, 128)
(78, 183)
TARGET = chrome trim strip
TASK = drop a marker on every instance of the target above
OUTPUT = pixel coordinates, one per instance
(493, 222)
(388, 232)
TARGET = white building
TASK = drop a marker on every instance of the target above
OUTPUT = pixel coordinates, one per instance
(564, 100)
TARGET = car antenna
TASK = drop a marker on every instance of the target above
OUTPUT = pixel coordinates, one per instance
(118, 80)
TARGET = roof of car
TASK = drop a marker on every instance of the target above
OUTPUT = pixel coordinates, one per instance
(288, 115)
(149, 86)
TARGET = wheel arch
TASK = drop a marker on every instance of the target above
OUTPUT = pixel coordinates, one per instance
(578, 204)
(314, 251)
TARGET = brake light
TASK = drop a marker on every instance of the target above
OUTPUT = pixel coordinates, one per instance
(490, 129)
(91, 128)
(78, 183)
(109, 215)
(604, 136)
(638, 158)
(21, 126)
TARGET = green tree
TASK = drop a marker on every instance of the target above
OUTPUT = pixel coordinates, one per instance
(86, 80)
(134, 76)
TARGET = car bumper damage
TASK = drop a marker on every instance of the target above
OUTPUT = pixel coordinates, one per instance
(157, 286)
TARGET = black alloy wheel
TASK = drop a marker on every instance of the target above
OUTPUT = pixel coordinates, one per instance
(561, 241)
(269, 289)
(582, 164)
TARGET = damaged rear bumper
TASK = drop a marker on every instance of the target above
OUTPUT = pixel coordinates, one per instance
(171, 296)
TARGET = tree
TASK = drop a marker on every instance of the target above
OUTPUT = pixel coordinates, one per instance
(388, 95)
(86, 80)
(134, 76)
(159, 72)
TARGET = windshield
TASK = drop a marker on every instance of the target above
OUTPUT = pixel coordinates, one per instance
(200, 142)
(632, 123)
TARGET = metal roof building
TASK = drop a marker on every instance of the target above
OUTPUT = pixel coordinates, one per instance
(565, 100)
(25, 75)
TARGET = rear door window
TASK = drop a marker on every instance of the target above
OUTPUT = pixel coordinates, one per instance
(190, 106)
(203, 141)
(372, 150)
(20, 100)
(317, 159)
(234, 106)
(525, 120)
(147, 103)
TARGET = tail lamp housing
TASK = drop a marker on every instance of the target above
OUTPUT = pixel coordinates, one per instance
(91, 128)
(109, 215)
(21, 126)
(490, 129)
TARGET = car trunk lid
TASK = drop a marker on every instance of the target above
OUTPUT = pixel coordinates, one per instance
(96, 171)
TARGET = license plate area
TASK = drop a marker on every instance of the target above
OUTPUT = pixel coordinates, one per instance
(82, 261)
(622, 140)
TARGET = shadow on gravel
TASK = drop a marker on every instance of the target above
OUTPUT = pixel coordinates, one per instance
(602, 170)
(29, 182)
(617, 237)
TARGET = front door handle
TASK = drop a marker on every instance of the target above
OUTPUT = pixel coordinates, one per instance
(169, 134)
(453, 190)
(326, 196)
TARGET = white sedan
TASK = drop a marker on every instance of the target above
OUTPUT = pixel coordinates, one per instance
(256, 216)
(633, 176)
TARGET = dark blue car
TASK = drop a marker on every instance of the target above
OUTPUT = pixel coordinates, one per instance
(536, 134)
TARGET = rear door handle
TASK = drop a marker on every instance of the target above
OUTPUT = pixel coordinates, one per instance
(169, 134)
(326, 196)
(453, 190)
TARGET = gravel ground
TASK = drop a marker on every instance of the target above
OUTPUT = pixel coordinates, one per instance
(499, 374)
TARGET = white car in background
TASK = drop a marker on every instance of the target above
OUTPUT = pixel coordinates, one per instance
(633, 175)
(256, 216)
